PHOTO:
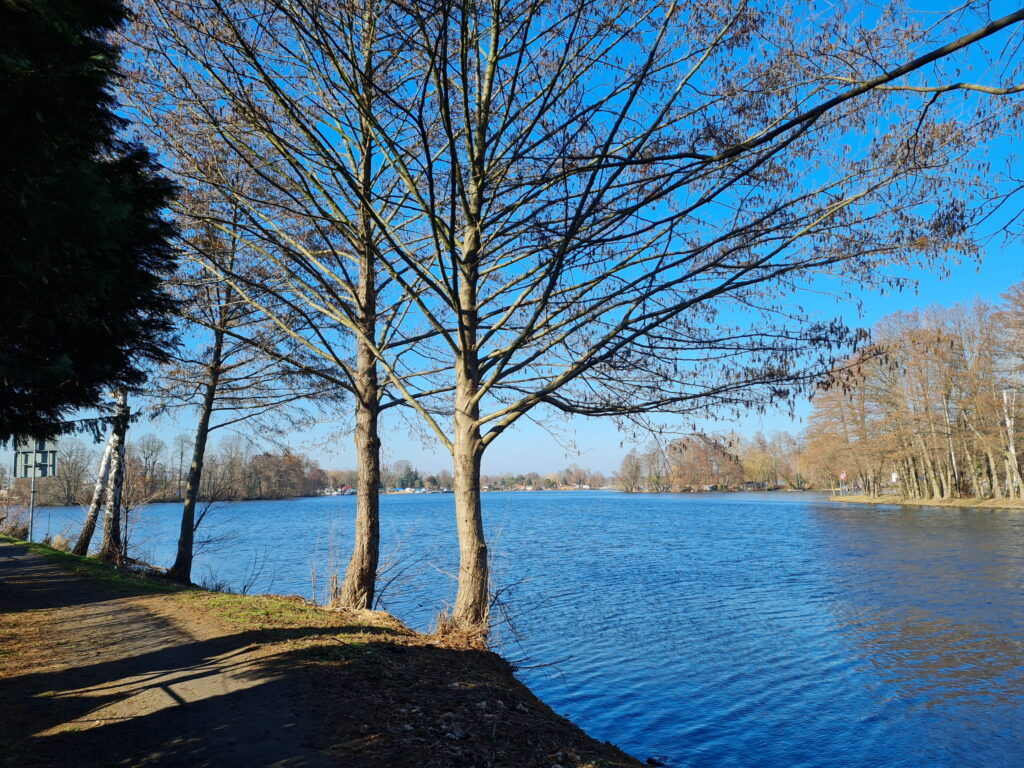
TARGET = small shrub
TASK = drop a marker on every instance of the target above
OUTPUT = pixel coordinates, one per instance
(15, 527)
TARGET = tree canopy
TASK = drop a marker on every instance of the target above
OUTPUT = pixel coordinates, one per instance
(85, 242)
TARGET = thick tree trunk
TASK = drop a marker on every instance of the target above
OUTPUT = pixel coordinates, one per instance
(947, 482)
(972, 466)
(89, 526)
(1012, 488)
(361, 576)
(360, 585)
(110, 549)
(930, 473)
(472, 601)
(181, 570)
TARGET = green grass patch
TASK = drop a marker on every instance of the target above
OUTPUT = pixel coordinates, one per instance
(351, 650)
(90, 567)
(259, 611)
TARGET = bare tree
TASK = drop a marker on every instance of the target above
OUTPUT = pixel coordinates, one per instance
(73, 460)
(933, 402)
(225, 374)
(630, 474)
(149, 450)
(595, 208)
(612, 227)
(280, 98)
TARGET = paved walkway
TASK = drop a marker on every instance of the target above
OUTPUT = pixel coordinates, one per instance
(91, 678)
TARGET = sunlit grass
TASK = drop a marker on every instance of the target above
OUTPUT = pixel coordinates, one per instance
(117, 578)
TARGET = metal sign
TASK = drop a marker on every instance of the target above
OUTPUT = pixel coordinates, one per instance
(35, 458)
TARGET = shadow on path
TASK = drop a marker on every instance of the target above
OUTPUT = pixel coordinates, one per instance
(119, 685)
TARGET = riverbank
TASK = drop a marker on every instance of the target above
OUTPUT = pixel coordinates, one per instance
(905, 502)
(101, 667)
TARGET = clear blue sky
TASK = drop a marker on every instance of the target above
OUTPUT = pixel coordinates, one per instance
(597, 443)
(600, 446)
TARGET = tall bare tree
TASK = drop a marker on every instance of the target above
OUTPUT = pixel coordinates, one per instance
(73, 460)
(613, 202)
(229, 373)
(276, 88)
(597, 208)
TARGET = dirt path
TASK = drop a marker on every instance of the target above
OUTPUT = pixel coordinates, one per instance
(89, 677)
(102, 670)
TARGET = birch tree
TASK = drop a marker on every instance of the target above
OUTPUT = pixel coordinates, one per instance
(111, 549)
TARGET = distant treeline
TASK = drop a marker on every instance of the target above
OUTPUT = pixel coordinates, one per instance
(716, 462)
(158, 472)
(402, 474)
(930, 410)
(155, 471)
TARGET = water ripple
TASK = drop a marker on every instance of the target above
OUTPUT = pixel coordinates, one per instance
(716, 630)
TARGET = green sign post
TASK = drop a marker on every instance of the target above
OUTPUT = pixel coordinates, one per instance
(34, 458)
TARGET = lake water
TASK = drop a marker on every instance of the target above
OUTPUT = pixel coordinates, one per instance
(708, 630)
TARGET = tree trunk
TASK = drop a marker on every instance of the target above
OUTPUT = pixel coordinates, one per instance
(360, 585)
(181, 570)
(929, 470)
(993, 476)
(972, 465)
(110, 549)
(89, 526)
(361, 575)
(472, 601)
(1015, 482)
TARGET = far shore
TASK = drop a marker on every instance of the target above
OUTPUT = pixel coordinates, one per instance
(905, 502)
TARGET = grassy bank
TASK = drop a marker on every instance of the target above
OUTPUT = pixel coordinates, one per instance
(379, 693)
(905, 502)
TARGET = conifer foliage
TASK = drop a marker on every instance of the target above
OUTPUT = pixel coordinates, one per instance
(85, 246)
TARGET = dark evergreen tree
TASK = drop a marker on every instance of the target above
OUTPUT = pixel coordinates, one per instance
(84, 245)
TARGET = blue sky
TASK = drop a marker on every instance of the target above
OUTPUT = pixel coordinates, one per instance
(601, 445)
(597, 443)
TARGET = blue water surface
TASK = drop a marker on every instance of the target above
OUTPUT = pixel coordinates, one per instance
(704, 630)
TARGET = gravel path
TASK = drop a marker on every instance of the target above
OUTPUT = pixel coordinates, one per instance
(89, 677)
